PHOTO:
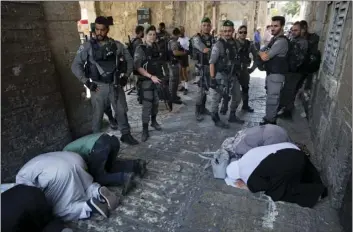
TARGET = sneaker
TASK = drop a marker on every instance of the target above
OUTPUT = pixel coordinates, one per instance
(129, 183)
(113, 124)
(98, 207)
(110, 198)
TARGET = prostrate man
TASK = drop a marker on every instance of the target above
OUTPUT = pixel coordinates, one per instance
(104, 59)
(224, 63)
(202, 44)
(276, 66)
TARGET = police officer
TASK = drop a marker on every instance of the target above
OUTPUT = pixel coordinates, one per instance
(245, 48)
(224, 63)
(296, 57)
(162, 40)
(202, 44)
(276, 66)
(147, 61)
(175, 52)
(102, 56)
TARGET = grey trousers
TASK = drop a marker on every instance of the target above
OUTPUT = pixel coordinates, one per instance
(288, 92)
(274, 85)
(150, 100)
(100, 101)
(216, 94)
(201, 91)
(174, 76)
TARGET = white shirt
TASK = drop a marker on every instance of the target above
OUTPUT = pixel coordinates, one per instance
(244, 167)
(184, 42)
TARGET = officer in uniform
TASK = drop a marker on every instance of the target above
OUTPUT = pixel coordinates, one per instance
(224, 63)
(102, 56)
(245, 48)
(299, 50)
(276, 66)
(162, 40)
(202, 44)
(175, 52)
(147, 61)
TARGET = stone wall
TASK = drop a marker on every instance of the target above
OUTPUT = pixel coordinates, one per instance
(33, 116)
(42, 108)
(176, 13)
(64, 41)
(330, 110)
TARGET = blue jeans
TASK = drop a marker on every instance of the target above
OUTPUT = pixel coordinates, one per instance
(103, 164)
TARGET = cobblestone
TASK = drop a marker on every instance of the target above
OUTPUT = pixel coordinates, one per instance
(178, 195)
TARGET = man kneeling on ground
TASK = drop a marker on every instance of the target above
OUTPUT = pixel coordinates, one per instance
(68, 188)
(99, 151)
(282, 170)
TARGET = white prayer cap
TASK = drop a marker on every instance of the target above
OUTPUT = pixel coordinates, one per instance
(233, 171)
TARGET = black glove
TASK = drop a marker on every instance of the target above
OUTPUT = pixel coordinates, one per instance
(250, 70)
(213, 84)
(123, 80)
(91, 85)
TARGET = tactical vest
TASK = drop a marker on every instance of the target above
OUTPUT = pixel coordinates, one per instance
(106, 57)
(203, 58)
(244, 51)
(277, 65)
(171, 57)
(153, 60)
(162, 41)
(228, 58)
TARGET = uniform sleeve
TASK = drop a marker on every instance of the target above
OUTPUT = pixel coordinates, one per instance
(279, 47)
(136, 43)
(215, 53)
(139, 57)
(79, 61)
(198, 44)
(127, 57)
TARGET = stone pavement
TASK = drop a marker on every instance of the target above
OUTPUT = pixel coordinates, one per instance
(178, 195)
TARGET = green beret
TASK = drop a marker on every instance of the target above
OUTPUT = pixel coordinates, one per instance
(228, 23)
(206, 20)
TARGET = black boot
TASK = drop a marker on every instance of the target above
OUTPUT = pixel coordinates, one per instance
(145, 133)
(127, 138)
(246, 106)
(155, 124)
(218, 122)
(198, 114)
(234, 118)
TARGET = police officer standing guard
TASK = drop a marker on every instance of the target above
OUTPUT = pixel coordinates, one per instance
(175, 52)
(148, 63)
(202, 44)
(276, 66)
(102, 55)
(224, 63)
(245, 48)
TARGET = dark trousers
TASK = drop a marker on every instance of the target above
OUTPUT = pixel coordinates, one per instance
(25, 208)
(103, 164)
(108, 111)
(289, 91)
